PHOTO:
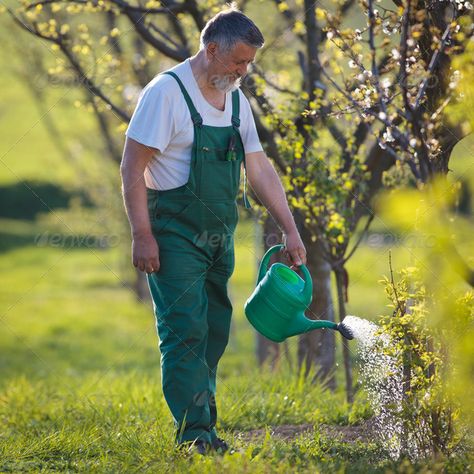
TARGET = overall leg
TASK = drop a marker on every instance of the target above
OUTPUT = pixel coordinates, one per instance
(219, 316)
(181, 305)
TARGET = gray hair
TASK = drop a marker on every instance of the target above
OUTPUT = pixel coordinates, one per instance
(229, 27)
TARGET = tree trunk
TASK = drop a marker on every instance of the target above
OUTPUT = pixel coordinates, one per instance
(318, 347)
(345, 347)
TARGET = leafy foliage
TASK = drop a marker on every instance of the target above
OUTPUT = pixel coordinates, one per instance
(427, 419)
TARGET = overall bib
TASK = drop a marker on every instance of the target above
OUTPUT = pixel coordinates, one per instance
(194, 226)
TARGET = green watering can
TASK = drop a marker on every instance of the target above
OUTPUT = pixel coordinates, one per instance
(277, 305)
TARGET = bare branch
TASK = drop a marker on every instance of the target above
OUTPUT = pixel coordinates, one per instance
(256, 70)
(403, 139)
(196, 14)
(402, 75)
(375, 70)
(312, 45)
(432, 65)
(345, 7)
(176, 25)
(107, 136)
(335, 133)
(344, 260)
(89, 84)
(290, 18)
(165, 36)
(138, 21)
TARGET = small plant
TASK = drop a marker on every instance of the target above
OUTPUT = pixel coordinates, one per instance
(420, 418)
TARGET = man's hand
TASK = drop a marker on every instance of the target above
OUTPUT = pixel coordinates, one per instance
(294, 249)
(145, 253)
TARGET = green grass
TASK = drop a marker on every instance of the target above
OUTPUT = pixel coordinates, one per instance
(80, 382)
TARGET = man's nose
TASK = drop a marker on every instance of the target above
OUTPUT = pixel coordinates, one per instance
(242, 70)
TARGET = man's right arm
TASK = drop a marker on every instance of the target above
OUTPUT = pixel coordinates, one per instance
(145, 252)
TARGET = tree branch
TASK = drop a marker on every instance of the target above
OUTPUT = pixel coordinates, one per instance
(312, 44)
(290, 18)
(124, 6)
(344, 260)
(138, 21)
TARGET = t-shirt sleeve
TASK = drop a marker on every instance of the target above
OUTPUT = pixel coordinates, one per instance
(248, 130)
(152, 122)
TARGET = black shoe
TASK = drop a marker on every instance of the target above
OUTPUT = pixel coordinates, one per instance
(220, 446)
(195, 447)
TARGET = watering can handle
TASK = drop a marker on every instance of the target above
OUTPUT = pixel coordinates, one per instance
(308, 287)
(266, 259)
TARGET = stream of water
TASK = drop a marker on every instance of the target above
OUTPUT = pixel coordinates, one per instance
(381, 379)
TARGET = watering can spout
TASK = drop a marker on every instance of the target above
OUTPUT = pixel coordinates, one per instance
(302, 325)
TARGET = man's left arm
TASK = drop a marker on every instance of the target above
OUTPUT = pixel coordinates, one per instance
(266, 184)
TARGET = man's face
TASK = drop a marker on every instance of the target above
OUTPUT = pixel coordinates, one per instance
(227, 68)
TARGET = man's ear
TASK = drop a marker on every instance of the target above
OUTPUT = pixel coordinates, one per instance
(211, 50)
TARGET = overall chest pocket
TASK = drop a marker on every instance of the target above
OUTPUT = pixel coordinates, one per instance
(219, 176)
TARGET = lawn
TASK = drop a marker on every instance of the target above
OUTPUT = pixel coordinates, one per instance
(80, 383)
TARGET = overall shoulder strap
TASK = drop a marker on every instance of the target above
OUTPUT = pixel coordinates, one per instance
(236, 125)
(235, 108)
(195, 116)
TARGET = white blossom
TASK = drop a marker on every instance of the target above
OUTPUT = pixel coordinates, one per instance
(382, 116)
(387, 135)
(386, 27)
(454, 79)
(395, 54)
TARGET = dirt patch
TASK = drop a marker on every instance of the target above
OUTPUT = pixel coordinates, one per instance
(286, 432)
(347, 434)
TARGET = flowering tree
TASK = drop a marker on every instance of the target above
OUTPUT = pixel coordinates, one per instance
(342, 108)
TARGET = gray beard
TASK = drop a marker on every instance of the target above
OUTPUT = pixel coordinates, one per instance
(226, 84)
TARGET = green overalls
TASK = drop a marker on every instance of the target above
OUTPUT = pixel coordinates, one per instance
(194, 226)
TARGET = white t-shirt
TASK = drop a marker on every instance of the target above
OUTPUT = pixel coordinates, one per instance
(162, 120)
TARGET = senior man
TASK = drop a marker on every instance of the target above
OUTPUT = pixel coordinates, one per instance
(190, 134)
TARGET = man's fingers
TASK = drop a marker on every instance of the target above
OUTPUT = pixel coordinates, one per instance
(149, 268)
(152, 264)
(155, 263)
(295, 257)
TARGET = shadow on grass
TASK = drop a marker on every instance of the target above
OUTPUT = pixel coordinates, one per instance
(25, 199)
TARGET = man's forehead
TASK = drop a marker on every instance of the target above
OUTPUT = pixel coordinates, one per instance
(243, 52)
